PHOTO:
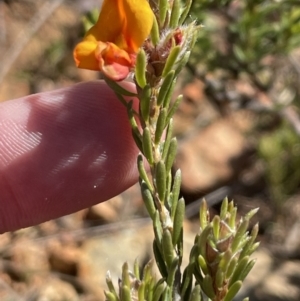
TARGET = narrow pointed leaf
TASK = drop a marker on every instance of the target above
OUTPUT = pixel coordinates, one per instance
(143, 173)
(125, 293)
(147, 146)
(145, 99)
(233, 291)
(185, 11)
(118, 89)
(175, 192)
(140, 68)
(168, 139)
(160, 180)
(175, 13)
(171, 154)
(160, 126)
(155, 33)
(167, 247)
(171, 59)
(178, 221)
(148, 200)
(165, 87)
(163, 8)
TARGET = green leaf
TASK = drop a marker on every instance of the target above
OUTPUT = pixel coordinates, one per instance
(185, 11)
(224, 208)
(165, 88)
(242, 264)
(175, 192)
(172, 272)
(155, 33)
(232, 218)
(182, 62)
(220, 277)
(196, 294)
(125, 293)
(202, 264)
(157, 229)
(216, 227)
(163, 8)
(158, 291)
(142, 172)
(145, 98)
(160, 180)
(147, 146)
(147, 275)
(160, 126)
(135, 130)
(233, 291)
(202, 241)
(171, 60)
(174, 108)
(175, 13)
(238, 237)
(207, 286)
(110, 296)
(247, 248)
(224, 263)
(140, 68)
(137, 139)
(125, 275)
(167, 246)
(148, 200)
(168, 139)
(251, 213)
(111, 288)
(159, 260)
(171, 154)
(167, 294)
(136, 269)
(204, 215)
(247, 270)
(178, 221)
(141, 292)
(187, 282)
(119, 89)
(231, 267)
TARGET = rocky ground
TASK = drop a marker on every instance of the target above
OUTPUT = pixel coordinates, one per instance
(67, 259)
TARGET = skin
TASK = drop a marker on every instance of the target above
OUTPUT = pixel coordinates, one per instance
(62, 151)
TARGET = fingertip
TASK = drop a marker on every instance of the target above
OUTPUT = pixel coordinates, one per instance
(84, 153)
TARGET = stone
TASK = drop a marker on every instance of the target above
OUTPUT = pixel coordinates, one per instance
(212, 156)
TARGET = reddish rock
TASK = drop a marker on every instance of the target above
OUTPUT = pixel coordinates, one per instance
(209, 157)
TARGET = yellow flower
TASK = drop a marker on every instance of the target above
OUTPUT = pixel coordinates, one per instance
(112, 43)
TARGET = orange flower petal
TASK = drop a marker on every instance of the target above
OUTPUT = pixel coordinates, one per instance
(84, 55)
(125, 23)
(114, 62)
(139, 21)
(123, 26)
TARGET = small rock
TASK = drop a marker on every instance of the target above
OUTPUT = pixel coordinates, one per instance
(30, 256)
(106, 212)
(64, 259)
(54, 289)
(109, 252)
(211, 157)
(281, 284)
